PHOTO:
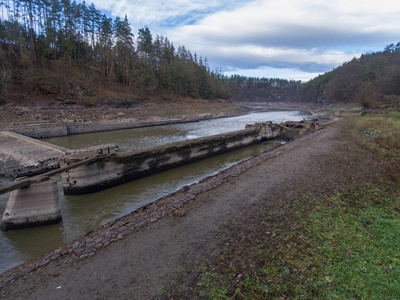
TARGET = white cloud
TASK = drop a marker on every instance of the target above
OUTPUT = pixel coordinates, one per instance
(309, 36)
(258, 55)
(164, 12)
(269, 72)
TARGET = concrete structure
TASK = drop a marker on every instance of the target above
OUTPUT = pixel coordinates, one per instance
(111, 170)
(34, 205)
(51, 129)
(35, 201)
(36, 130)
(20, 155)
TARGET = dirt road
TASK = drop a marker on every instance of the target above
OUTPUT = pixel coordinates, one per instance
(173, 249)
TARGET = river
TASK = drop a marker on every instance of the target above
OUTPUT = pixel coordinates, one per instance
(84, 213)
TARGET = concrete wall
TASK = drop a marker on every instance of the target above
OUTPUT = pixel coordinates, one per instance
(36, 130)
(21, 155)
(119, 168)
(46, 130)
(79, 128)
(35, 205)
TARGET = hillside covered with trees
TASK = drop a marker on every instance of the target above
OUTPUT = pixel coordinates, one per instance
(71, 50)
(263, 89)
(370, 79)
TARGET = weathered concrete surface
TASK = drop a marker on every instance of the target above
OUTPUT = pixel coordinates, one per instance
(117, 169)
(36, 130)
(20, 154)
(52, 129)
(35, 205)
(25, 182)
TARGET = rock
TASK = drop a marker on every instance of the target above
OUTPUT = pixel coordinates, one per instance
(126, 232)
(54, 257)
(83, 256)
(98, 240)
(78, 250)
(190, 196)
(44, 262)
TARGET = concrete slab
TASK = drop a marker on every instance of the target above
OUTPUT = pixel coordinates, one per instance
(20, 154)
(35, 205)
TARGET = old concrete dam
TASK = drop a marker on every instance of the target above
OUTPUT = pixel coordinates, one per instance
(84, 212)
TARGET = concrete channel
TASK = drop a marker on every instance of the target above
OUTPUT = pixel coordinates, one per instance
(35, 200)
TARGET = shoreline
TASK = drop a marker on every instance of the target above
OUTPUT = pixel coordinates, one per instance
(30, 120)
(54, 128)
(41, 130)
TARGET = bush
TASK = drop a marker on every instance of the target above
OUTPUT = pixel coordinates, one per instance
(5, 77)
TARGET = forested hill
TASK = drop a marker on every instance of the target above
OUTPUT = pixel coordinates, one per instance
(66, 49)
(251, 89)
(57, 49)
(370, 80)
(72, 52)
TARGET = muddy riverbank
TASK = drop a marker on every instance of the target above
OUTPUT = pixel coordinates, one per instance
(141, 111)
(41, 120)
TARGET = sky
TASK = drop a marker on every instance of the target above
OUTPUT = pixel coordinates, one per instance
(289, 39)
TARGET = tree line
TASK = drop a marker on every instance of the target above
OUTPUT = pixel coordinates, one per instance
(263, 89)
(369, 79)
(52, 43)
(69, 49)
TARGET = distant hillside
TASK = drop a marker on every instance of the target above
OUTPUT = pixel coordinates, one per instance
(370, 80)
(251, 89)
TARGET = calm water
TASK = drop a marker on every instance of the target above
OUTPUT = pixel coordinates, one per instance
(86, 212)
(141, 138)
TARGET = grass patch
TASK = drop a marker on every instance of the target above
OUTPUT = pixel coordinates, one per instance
(359, 238)
(344, 246)
(340, 245)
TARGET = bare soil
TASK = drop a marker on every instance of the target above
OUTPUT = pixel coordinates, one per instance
(166, 256)
(119, 111)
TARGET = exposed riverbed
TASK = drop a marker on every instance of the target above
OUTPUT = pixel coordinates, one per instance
(85, 212)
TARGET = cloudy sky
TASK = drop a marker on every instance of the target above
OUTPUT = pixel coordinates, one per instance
(290, 39)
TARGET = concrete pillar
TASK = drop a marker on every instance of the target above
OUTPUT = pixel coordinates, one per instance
(37, 204)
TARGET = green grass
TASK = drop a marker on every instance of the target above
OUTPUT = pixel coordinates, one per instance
(346, 246)
(360, 240)
(342, 245)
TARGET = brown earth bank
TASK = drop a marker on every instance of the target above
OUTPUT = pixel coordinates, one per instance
(161, 250)
(144, 110)
(121, 111)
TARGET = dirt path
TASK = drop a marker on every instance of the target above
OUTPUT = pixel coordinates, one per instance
(172, 250)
